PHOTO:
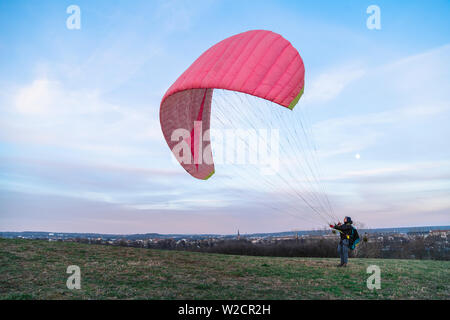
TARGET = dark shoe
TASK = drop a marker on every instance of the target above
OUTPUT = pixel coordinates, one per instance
(340, 265)
(344, 265)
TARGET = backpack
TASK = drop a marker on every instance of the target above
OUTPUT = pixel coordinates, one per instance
(354, 239)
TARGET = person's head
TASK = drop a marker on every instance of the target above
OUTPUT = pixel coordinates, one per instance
(348, 220)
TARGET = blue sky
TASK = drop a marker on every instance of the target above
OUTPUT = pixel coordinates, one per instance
(81, 147)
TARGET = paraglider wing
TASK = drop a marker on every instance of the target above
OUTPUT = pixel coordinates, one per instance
(258, 62)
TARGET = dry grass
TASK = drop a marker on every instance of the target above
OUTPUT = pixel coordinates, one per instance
(32, 269)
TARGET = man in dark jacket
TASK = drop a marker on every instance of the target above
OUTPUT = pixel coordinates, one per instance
(346, 232)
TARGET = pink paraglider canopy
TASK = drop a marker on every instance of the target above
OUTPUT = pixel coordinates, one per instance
(258, 62)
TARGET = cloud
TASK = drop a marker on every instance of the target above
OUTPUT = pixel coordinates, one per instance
(44, 97)
(88, 177)
(418, 73)
(328, 85)
(351, 134)
(36, 98)
(398, 94)
(22, 211)
(47, 113)
(394, 173)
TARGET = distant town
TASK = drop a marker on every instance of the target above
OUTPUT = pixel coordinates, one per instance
(199, 240)
(395, 243)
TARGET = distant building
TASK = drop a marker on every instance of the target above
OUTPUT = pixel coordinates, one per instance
(418, 233)
(441, 233)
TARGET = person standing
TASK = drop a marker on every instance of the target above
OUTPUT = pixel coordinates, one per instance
(346, 232)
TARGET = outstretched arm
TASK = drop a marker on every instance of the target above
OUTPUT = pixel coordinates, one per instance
(336, 226)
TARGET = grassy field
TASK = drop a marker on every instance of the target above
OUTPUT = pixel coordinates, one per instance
(31, 269)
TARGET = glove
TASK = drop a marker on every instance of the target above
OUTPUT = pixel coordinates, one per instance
(331, 226)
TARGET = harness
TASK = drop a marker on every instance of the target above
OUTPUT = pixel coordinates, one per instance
(354, 242)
